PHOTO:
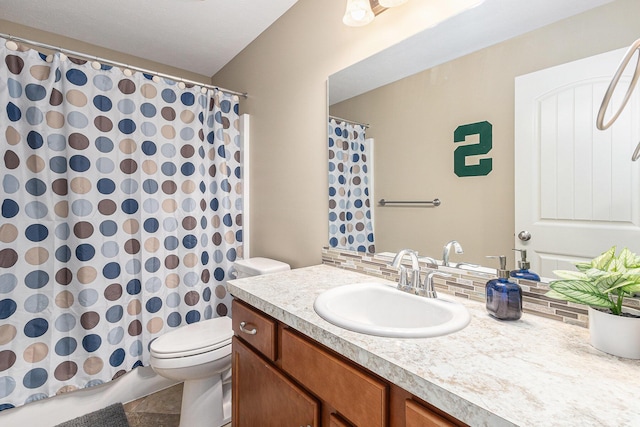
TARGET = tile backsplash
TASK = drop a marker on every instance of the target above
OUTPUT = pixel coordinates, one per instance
(466, 284)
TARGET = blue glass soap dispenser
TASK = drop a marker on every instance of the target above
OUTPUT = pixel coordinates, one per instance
(523, 268)
(504, 298)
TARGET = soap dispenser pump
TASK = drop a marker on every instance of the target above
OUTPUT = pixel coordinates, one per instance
(523, 268)
(504, 298)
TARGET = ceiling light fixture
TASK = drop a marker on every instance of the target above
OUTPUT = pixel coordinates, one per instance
(358, 13)
(361, 12)
(391, 3)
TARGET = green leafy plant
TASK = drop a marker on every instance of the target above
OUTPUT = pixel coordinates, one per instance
(601, 283)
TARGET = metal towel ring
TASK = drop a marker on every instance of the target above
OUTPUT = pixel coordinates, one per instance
(612, 87)
(636, 153)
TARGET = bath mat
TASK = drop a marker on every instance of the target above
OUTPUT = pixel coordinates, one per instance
(111, 416)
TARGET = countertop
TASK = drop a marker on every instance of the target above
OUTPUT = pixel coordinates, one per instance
(531, 372)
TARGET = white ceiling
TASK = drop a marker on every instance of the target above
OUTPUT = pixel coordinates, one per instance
(491, 22)
(200, 36)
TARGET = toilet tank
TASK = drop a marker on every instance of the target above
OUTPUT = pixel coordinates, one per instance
(258, 266)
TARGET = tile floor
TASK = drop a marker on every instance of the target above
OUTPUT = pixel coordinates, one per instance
(161, 409)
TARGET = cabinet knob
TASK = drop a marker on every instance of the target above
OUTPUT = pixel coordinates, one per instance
(247, 331)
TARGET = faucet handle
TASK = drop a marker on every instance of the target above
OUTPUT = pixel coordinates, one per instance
(429, 290)
(415, 280)
(468, 264)
(429, 260)
(403, 282)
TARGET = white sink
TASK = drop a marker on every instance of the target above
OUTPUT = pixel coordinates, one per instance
(377, 309)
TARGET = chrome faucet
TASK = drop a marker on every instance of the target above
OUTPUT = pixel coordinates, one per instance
(447, 249)
(405, 283)
(429, 260)
(428, 290)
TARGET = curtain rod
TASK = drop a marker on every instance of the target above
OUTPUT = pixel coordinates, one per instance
(118, 64)
(365, 125)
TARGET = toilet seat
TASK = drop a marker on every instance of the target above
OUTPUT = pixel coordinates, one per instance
(193, 339)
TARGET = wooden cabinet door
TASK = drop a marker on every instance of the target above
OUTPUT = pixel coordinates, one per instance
(356, 395)
(262, 396)
(336, 421)
(419, 416)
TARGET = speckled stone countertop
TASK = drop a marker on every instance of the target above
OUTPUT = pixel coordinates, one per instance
(531, 372)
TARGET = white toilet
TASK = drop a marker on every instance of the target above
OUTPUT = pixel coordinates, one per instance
(200, 355)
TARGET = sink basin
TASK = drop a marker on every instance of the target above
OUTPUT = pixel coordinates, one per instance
(377, 309)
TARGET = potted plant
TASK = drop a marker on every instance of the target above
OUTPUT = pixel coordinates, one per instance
(602, 284)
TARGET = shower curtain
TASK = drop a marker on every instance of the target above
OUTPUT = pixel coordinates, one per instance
(350, 215)
(121, 214)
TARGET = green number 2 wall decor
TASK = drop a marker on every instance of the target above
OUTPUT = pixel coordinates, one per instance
(484, 166)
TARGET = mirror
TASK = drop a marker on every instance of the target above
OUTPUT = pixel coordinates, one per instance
(451, 78)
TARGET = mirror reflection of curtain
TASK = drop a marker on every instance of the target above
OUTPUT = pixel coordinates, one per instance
(350, 173)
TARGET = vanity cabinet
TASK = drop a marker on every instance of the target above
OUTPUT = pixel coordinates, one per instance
(416, 415)
(282, 378)
(263, 396)
(353, 393)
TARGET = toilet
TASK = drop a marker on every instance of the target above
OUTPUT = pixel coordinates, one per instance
(200, 355)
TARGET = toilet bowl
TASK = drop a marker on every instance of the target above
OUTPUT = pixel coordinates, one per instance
(200, 355)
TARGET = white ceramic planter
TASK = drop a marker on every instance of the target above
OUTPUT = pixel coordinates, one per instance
(615, 335)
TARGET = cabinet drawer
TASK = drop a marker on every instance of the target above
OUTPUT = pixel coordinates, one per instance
(419, 416)
(357, 396)
(254, 328)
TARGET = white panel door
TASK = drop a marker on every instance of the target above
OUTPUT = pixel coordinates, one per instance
(577, 190)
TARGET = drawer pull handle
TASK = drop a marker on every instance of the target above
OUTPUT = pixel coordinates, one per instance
(247, 331)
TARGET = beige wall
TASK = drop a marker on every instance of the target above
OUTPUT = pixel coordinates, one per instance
(36, 35)
(285, 72)
(413, 121)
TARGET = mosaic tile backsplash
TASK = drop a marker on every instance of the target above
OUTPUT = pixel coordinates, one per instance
(467, 284)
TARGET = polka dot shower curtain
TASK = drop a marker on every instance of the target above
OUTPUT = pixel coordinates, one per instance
(350, 220)
(120, 216)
